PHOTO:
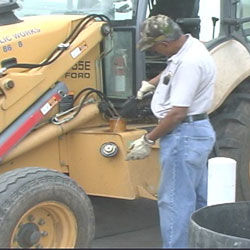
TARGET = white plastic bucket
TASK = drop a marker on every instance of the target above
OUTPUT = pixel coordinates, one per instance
(221, 180)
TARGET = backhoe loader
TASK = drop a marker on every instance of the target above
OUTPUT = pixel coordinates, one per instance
(69, 74)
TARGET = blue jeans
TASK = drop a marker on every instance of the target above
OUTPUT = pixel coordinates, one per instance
(183, 185)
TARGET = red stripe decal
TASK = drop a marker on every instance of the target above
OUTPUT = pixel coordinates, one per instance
(23, 130)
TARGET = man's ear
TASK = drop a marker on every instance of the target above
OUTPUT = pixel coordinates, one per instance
(165, 43)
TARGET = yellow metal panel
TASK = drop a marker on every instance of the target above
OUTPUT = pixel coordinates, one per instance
(144, 173)
(63, 151)
(47, 156)
(35, 38)
(111, 177)
(97, 174)
(50, 131)
(83, 73)
(21, 89)
(90, 39)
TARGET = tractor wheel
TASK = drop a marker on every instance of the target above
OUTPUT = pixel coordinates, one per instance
(232, 125)
(41, 208)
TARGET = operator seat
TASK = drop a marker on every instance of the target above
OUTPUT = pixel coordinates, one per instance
(178, 9)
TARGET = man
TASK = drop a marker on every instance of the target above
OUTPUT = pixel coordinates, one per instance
(182, 98)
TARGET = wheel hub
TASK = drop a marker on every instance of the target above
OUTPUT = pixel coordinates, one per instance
(28, 235)
(47, 225)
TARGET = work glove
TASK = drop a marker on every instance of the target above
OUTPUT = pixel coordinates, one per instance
(145, 87)
(139, 149)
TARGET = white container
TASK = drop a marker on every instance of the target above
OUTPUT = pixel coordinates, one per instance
(221, 180)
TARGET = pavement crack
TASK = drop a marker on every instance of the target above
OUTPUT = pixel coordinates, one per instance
(130, 231)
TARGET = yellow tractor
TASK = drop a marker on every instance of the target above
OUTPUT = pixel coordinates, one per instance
(68, 78)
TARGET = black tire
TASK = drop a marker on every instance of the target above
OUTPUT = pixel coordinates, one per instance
(41, 191)
(232, 125)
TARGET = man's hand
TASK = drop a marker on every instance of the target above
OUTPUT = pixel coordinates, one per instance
(139, 149)
(145, 87)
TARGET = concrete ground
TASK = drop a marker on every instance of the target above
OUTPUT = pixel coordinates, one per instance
(126, 224)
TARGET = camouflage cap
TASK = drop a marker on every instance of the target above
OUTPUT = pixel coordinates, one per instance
(157, 29)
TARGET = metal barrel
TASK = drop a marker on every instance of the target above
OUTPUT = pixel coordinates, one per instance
(221, 226)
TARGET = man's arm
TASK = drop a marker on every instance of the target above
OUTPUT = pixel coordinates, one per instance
(168, 123)
(154, 81)
(141, 148)
(148, 86)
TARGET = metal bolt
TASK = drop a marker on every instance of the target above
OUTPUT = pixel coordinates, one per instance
(31, 218)
(44, 234)
(9, 84)
(62, 93)
(41, 222)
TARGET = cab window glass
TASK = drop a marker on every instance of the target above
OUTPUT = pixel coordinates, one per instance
(119, 66)
(5, 1)
(208, 11)
(114, 9)
(243, 11)
(194, 16)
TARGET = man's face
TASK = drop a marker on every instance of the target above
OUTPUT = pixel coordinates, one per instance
(163, 48)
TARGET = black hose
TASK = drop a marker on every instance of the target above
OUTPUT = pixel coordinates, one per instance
(73, 34)
(90, 91)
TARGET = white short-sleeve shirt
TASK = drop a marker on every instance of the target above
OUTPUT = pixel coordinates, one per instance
(187, 81)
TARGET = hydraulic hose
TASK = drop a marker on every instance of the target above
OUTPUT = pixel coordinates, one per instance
(78, 29)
